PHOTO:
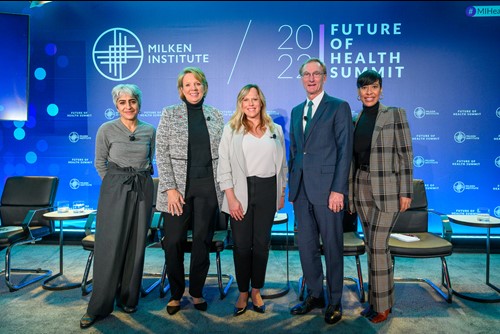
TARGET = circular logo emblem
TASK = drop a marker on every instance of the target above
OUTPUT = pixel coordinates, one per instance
(459, 187)
(497, 162)
(459, 137)
(418, 161)
(419, 112)
(109, 113)
(117, 54)
(496, 211)
(470, 11)
(74, 183)
(74, 137)
(498, 112)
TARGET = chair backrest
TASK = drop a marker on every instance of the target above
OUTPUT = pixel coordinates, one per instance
(24, 193)
(416, 218)
(156, 181)
(350, 222)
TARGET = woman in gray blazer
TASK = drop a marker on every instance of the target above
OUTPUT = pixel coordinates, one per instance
(380, 186)
(188, 137)
(252, 173)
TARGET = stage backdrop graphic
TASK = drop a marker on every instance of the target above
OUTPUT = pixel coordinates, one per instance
(439, 61)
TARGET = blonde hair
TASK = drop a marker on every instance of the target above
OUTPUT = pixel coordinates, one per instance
(198, 74)
(239, 119)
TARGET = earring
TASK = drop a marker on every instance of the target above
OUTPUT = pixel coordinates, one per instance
(359, 99)
(381, 96)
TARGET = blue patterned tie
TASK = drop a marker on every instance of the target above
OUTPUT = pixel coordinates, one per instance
(309, 116)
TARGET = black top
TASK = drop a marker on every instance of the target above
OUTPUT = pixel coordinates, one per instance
(363, 134)
(199, 155)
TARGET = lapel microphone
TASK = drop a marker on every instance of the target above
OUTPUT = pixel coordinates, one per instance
(131, 138)
(208, 118)
(273, 136)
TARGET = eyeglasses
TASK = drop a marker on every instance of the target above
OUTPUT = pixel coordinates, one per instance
(307, 75)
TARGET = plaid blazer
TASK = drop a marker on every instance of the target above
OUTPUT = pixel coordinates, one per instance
(172, 149)
(391, 160)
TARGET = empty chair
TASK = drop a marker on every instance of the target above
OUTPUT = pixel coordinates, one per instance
(24, 201)
(414, 221)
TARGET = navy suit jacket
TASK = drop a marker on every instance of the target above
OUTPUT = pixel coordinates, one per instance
(321, 160)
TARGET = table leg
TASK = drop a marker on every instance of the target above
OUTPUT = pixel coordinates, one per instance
(488, 252)
(478, 299)
(61, 266)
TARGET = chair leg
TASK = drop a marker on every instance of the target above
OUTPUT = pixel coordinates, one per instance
(302, 287)
(86, 283)
(222, 290)
(41, 273)
(283, 291)
(147, 290)
(164, 285)
(445, 281)
(358, 281)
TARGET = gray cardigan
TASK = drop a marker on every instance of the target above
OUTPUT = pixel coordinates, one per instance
(172, 149)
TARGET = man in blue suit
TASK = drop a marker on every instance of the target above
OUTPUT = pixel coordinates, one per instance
(321, 141)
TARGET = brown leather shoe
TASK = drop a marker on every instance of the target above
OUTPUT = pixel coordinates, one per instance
(380, 316)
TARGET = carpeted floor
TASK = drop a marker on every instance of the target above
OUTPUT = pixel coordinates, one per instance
(418, 308)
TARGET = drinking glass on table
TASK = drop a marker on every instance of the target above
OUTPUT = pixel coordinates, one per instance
(483, 214)
(62, 206)
(78, 206)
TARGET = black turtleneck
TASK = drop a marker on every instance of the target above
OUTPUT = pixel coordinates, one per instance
(363, 134)
(199, 154)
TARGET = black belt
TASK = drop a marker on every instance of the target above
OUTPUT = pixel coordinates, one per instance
(365, 168)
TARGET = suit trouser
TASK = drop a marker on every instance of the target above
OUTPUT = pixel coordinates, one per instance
(377, 227)
(199, 212)
(314, 221)
(123, 219)
(252, 235)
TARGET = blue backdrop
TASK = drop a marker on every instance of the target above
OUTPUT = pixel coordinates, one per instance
(439, 61)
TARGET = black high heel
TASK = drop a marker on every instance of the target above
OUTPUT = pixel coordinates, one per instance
(240, 310)
(259, 309)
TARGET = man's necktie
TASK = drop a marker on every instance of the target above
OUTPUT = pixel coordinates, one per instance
(309, 116)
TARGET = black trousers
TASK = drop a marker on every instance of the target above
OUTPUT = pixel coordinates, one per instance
(123, 218)
(199, 215)
(252, 235)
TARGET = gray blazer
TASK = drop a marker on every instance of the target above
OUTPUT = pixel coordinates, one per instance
(172, 149)
(391, 160)
(232, 173)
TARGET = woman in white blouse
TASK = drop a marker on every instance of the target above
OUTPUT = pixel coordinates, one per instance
(252, 172)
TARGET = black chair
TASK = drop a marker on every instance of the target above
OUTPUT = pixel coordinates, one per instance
(414, 221)
(89, 240)
(219, 243)
(353, 246)
(24, 201)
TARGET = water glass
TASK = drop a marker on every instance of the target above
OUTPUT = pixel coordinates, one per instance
(78, 206)
(62, 206)
(483, 214)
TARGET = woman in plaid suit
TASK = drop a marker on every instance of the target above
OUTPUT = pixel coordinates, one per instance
(380, 186)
